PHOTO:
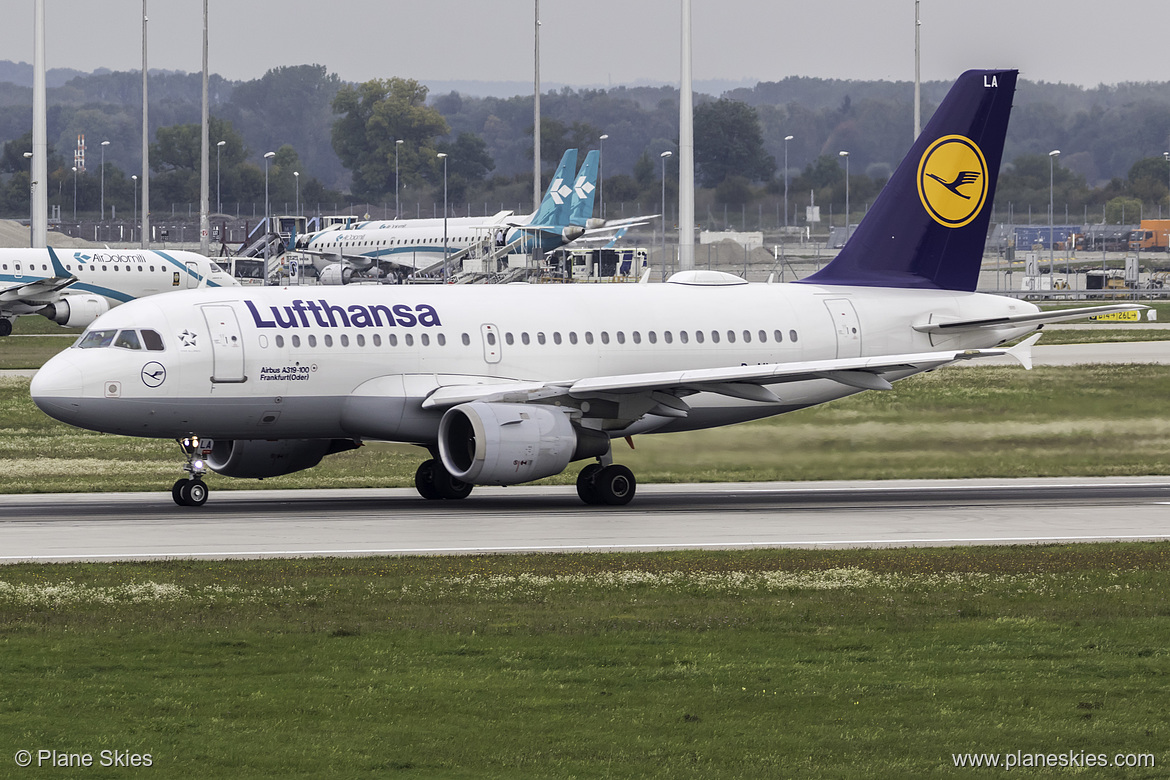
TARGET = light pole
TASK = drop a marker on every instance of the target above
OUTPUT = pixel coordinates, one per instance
(664, 155)
(74, 193)
(846, 156)
(102, 206)
(787, 138)
(297, 179)
(1051, 244)
(600, 176)
(134, 220)
(218, 203)
(1166, 157)
(397, 186)
(443, 157)
(31, 187)
(267, 224)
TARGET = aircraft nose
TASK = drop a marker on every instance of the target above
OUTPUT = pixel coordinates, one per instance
(57, 388)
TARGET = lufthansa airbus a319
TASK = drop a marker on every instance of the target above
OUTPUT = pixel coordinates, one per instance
(508, 384)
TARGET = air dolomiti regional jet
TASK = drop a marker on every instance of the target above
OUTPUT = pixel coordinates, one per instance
(507, 384)
(414, 244)
(75, 287)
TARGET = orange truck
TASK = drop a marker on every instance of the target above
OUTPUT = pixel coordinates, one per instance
(1152, 235)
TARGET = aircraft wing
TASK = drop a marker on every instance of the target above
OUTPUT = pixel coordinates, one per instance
(1040, 318)
(34, 294)
(662, 391)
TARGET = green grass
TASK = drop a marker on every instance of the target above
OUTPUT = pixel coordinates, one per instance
(820, 664)
(958, 422)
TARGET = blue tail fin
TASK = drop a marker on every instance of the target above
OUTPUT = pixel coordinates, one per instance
(556, 204)
(584, 190)
(928, 226)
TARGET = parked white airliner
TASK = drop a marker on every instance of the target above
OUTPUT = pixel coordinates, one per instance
(507, 384)
(417, 244)
(74, 286)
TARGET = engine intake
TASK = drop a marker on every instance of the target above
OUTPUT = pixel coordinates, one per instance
(506, 444)
(258, 458)
(336, 273)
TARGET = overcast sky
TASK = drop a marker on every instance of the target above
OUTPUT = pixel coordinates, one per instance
(609, 42)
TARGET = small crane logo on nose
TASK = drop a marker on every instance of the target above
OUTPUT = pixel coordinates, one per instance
(153, 374)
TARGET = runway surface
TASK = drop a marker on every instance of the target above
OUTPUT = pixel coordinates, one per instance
(257, 524)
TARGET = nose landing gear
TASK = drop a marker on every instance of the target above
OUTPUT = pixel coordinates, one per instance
(191, 491)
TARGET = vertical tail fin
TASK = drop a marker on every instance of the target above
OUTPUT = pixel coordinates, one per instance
(584, 190)
(556, 204)
(928, 226)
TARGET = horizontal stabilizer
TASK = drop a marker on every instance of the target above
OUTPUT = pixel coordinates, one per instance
(1038, 318)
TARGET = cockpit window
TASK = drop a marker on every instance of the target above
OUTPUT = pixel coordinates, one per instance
(153, 341)
(97, 339)
(128, 339)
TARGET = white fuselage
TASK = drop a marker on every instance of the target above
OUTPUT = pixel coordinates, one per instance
(118, 275)
(357, 362)
(414, 243)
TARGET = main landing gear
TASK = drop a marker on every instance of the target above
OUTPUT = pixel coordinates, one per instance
(191, 491)
(611, 484)
(433, 482)
(597, 484)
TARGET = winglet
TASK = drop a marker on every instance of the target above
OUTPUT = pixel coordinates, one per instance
(645, 276)
(58, 269)
(1023, 351)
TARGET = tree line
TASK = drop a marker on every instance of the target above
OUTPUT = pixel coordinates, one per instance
(371, 141)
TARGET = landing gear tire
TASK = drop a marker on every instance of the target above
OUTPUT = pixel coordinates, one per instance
(434, 482)
(177, 491)
(616, 485)
(587, 484)
(189, 492)
(424, 481)
(5, 327)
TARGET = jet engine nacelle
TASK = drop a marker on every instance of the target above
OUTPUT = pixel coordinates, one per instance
(337, 273)
(572, 233)
(258, 458)
(506, 444)
(76, 311)
(593, 223)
